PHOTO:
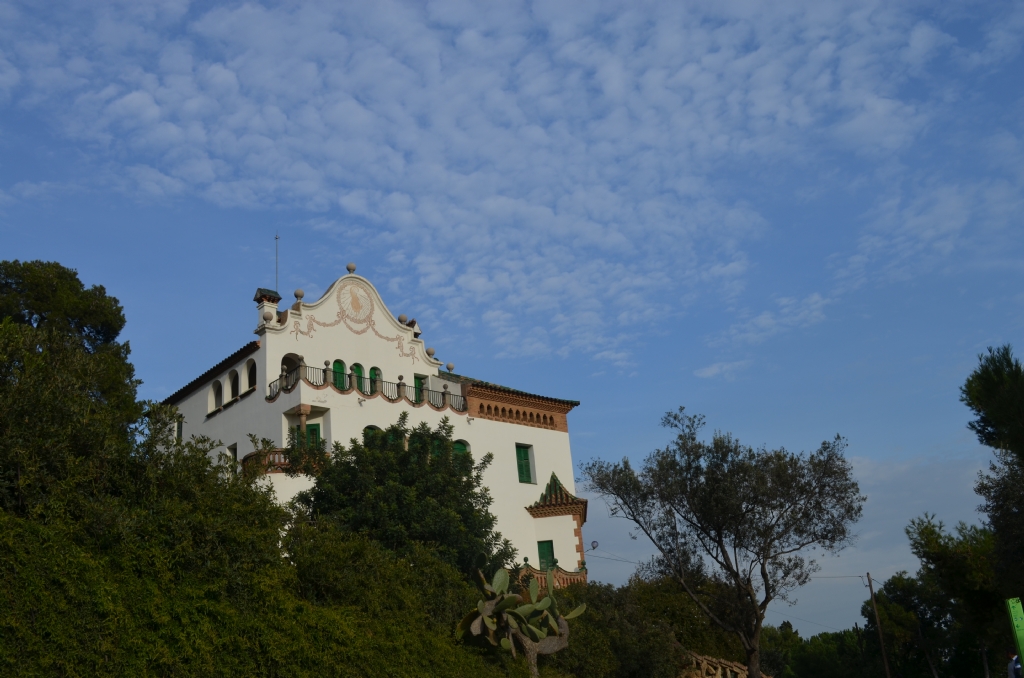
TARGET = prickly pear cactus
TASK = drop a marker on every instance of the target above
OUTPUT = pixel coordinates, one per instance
(505, 619)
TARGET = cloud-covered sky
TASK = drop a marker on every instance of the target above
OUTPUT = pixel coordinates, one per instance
(795, 217)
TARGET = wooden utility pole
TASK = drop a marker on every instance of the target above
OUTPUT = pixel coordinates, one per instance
(878, 623)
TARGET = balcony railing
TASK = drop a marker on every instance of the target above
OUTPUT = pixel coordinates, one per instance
(389, 390)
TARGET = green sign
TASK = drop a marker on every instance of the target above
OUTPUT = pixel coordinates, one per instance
(1017, 621)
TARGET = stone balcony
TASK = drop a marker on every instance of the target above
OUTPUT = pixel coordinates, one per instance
(325, 379)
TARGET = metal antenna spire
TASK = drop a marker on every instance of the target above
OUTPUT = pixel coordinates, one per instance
(277, 239)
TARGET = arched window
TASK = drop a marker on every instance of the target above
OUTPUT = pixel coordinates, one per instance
(375, 376)
(369, 432)
(339, 375)
(460, 447)
(233, 384)
(216, 396)
(357, 370)
(250, 369)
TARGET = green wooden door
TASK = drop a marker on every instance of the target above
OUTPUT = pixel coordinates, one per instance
(459, 447)
(418, 385)
(546, 551)
(339, 375)
(523, 463)
(313, 434)
(357, 370)
(375, 375)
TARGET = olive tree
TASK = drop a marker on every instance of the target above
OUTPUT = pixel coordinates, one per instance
(732, 523)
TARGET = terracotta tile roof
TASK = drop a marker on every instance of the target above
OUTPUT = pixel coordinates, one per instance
(197, 383)
(459, 379)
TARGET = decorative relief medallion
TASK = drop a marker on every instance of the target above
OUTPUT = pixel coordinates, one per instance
(355, 311)
(355, 302)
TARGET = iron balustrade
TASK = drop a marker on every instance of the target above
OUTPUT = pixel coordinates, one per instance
(318, 376)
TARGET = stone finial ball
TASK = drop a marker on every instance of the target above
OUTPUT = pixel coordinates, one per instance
(450, 366)
(299, 293)
(351, 267)
(268, 316)
(403, 318)
(327, 363)
(400, 377)
(431, 352)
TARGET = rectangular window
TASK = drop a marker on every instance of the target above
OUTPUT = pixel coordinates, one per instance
(180, 430)
(523, 463)
(313, 434)
(546, 551)
(233, 455)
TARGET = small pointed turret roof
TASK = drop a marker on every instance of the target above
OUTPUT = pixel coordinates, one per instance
(555, 500)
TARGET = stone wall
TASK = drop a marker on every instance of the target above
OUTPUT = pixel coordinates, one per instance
(699, 666)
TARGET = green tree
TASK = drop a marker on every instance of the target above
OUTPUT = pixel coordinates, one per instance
(995, 393)
(403, 486)
(46, 294)
(961, 567)
(126, 552)
(841, 654)
(730, 521)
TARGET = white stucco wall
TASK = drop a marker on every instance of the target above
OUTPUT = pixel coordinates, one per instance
(375, 339)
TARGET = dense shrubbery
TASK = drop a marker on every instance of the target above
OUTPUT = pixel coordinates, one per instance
(125, 552)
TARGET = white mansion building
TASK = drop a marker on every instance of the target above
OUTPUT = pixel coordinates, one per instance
(344, 363)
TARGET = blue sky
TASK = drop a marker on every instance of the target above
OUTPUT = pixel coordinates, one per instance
(797, 218)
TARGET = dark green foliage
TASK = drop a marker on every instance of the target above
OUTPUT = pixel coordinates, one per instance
(961, 568)
(995, 393)
(124, 552)
(402, 486)
(841, 654)
(778, 646)
(730, 522)
(44, 294)
(638, 631)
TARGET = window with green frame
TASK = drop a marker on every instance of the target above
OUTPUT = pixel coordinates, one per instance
(312, 436)
(375, 375)
(419, 383)
(357, 370)
(338, 371)
(523, 463)
(546, 553)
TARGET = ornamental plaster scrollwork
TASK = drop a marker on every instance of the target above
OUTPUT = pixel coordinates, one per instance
(356, 311)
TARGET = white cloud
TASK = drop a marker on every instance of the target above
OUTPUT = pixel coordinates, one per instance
(726, 370)
(575, 163)
(790, 314)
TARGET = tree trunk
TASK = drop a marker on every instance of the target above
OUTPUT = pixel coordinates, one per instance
(984, 660)
(754, 663)
(549, 645)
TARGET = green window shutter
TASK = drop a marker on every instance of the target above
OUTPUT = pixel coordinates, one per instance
(313, 434)
(546, 551)
(418, 385)
(459, 447)
(523, 463)
(339, 375)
